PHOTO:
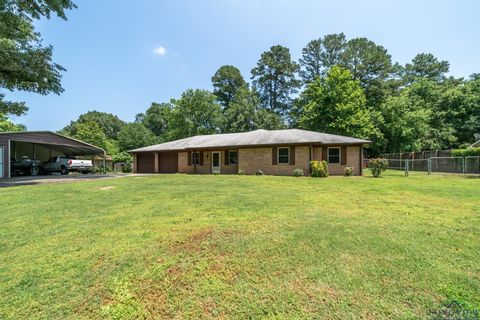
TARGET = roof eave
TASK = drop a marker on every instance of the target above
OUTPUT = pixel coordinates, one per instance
(353, 143)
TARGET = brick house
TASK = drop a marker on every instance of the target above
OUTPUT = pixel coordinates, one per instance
(275, 152)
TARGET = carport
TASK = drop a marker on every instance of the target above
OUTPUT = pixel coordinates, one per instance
(40, 145)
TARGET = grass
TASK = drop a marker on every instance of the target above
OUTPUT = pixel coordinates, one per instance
(184, 246)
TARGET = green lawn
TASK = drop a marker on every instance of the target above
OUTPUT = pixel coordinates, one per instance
(185, 246)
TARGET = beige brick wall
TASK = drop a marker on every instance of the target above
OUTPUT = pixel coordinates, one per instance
(183, 166)
(317, 154)
(353, 160)
(252, 159)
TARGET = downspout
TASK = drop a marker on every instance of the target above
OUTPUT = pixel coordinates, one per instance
(361, 160)
(310, 150)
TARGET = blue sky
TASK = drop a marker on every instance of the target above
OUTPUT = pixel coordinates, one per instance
(122, 55)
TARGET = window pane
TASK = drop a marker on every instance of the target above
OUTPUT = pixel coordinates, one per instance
(283, 155)
(334, 155)
(232, 157)
(334, 151)
(195, 158)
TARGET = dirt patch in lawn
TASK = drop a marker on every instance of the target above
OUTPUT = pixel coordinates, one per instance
(196, 242)
(106, 188)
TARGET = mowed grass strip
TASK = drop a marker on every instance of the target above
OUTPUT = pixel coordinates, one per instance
(186, 246)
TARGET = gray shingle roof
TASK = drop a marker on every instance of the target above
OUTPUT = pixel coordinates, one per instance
(253, 138)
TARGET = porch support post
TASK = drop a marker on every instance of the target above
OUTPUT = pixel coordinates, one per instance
(156, 165)
(195, 162)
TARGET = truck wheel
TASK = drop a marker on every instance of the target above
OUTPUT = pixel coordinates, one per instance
(33, 171)
(63, 171)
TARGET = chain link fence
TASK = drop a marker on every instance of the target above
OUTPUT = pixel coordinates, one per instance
(457, 165)
(472, 165)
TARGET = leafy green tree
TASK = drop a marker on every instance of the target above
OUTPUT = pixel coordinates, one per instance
(245, 114)
(426, 94)
(274, 78)
(371, 65)
(195, 113)
(227, 81)
(423, 117)
(109, 123)
(403, 124)
(91, 132)
(320, 55)
(8, 126)
(240, 116)
(475, 76)
(135, 135)
(458, 105)
(25, 64)
(156, 118)
(268, 120)
(336, 104)
(426, 66)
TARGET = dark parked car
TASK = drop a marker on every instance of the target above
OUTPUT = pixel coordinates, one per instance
(26, 166)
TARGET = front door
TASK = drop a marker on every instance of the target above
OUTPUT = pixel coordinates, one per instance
(216, 161)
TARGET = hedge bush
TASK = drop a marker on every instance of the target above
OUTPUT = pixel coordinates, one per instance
(470, 152)
(377, 166)
(348, 171)
(298, 172)
(319, 169)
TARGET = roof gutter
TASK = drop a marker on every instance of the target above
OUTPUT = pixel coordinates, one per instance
(254, 146)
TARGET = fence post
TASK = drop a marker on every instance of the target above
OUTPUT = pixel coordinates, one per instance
(464, 162)
(429, 165)
(406, 168)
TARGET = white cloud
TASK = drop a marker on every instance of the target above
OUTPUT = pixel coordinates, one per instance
(160, 51)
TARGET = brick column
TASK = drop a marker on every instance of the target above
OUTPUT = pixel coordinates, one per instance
(156, 163)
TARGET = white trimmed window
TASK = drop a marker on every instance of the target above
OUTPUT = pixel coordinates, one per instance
(195, 158)
(283, 155)
(333, 155)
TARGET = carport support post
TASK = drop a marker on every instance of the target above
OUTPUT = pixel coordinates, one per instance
(104, 163)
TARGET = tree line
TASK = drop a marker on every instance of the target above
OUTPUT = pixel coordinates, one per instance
(338, 85)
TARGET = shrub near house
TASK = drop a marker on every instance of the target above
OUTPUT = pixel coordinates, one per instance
(377, 166)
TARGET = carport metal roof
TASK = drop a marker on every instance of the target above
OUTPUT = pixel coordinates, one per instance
(66, 145)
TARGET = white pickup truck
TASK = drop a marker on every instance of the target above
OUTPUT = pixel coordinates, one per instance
(64, 165)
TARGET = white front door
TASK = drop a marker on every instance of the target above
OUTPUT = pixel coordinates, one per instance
(216, 161)
(1, 162)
